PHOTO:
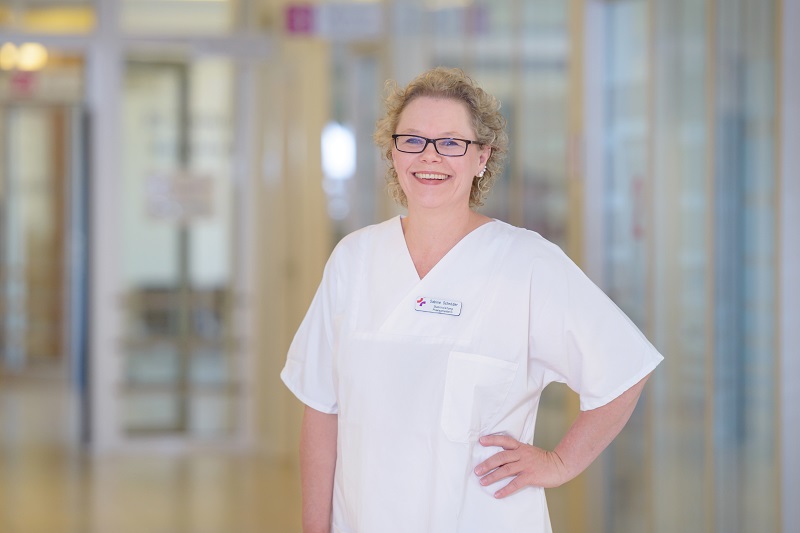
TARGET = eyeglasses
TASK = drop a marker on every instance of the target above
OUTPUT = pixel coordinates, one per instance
(446, 146)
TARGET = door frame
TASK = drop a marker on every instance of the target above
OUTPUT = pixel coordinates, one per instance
(107, 318)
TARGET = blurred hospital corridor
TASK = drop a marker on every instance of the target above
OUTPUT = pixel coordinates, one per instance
(174, 175)
(48, 484)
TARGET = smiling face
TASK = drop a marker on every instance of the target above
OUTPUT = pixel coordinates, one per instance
(430, 180)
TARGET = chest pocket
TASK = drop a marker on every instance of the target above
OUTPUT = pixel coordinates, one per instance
(476, 387)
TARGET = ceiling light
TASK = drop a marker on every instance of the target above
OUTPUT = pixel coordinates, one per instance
(32, 56)
(8, 56)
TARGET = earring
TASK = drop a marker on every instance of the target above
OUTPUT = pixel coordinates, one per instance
(482, 172)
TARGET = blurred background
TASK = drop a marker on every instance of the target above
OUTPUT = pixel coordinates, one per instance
(174, 174)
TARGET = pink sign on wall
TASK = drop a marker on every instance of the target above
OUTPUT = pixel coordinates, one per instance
(336, 21)
(300, 19)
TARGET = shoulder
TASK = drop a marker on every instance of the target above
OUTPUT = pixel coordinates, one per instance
(353, 247)
(530, 247)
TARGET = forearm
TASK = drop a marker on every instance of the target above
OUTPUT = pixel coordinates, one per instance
(317, 465)
(593, 431)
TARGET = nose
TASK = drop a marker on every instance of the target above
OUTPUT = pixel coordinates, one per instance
(429, 152)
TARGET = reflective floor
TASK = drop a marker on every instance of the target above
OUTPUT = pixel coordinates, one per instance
(48, 485)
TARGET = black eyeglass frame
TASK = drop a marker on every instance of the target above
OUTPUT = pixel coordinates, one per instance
(433, 142)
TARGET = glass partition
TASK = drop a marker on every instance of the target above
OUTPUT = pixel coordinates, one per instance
(356, 193)
(625, 142)
(745, 349)
(480, 39)
(518, 51)
(181, 371)
(627, 169)
(42, 166)
(33, 252)
(682, 276)
(690, 256)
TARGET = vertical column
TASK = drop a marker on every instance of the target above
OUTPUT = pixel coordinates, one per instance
(788, 193)
(104, 88)
(595, 53)
(78, 270)
(272, 327)
(711, 259)
(577, 489)
(293, 236)
(248, 113)
(575, 131)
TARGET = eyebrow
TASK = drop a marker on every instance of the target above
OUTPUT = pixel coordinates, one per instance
(444, 135)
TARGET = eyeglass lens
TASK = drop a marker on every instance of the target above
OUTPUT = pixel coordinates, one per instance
(414, 144)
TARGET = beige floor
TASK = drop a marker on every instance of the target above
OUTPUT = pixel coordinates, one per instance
(49, 485)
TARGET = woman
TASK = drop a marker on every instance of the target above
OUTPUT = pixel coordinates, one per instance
(423, 356)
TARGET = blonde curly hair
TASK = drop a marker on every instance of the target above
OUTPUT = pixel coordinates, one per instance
(484, 109)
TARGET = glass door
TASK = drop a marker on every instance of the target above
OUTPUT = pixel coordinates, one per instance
(42, 229)
(687, 179)
(181, 367)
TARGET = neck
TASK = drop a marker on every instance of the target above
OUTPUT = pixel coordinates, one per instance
(429, 229)
(436, 224)
(430, 234)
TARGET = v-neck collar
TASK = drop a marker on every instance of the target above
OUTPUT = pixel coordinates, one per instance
(410, 260)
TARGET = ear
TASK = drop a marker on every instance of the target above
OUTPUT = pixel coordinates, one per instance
(485, 153)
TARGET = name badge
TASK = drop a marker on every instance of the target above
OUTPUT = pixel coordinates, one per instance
(439, 306)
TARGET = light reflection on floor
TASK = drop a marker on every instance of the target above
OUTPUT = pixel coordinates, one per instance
(48, 485)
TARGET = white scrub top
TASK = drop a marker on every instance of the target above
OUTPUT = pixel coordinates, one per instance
(418, 369)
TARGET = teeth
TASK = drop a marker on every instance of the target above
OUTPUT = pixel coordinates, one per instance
(425, 176)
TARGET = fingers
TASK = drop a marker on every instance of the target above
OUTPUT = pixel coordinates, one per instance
(507, 470)
(503, 441)
(507, 443)
(513, 486)
(495, 461)
(523, 463)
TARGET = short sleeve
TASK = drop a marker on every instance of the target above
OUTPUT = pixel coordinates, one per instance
(581, 337)
(308, 372)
